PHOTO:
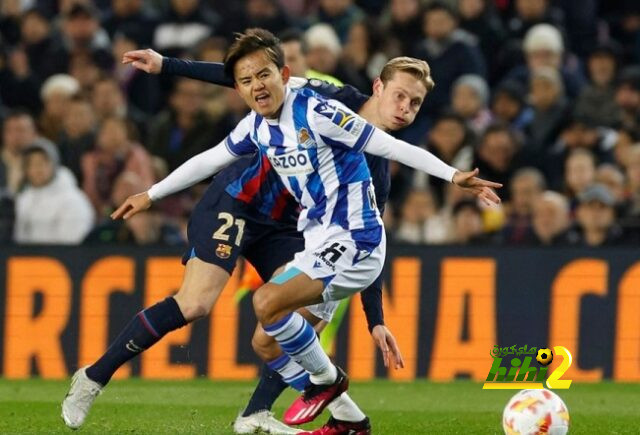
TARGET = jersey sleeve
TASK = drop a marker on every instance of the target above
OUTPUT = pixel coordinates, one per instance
(340, 127)
(239, 142)
(385, 145)
(212, 72)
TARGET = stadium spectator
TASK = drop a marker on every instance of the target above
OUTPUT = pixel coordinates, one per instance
(266, 14)
(83, 68)
(497, 154)
(108, 100)
(526, 185)
(18, 131)
(56, 92)
(184, 130)
(528, 13)
(144, 229)
(184, 24)
(115, 154)
(551, 219)
(595, 219)
(81, 33)
(339, 14)
(628, 97)
(363, 51)
(37, 37)
(550, 110)
(296, 51)
(78, 135)
(324, 52)
(610, 176)
(597, 99)
(401, 22)
(470, 99)
(543, 47)
(451, 141)
(420, 222)
(131, 18)
(19, 86)
(10, 11)
(51, 209)
(579, 172)
(142, 90)
(509, 105)
(468, 227)
(450, 51)
(478, 17)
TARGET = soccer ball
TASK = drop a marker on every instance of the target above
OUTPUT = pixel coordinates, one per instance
(533, 412)
(544, 356)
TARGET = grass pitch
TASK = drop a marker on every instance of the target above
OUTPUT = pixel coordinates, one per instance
(202, 406)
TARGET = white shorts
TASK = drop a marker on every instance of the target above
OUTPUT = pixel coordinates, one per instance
(343, 268)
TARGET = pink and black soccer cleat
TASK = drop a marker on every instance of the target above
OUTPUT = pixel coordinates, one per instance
(314, 399)
(339, 427)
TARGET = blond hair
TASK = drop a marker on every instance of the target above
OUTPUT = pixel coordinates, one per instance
(416, 67)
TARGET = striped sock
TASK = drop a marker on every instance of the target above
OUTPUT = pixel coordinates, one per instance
(292, 372)
(298, 339)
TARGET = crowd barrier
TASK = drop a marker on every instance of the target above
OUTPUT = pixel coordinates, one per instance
(447, 306)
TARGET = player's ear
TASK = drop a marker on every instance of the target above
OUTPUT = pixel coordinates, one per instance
(286, 74)
(378, 86)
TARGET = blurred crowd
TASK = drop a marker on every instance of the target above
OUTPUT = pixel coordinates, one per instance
(540, 95)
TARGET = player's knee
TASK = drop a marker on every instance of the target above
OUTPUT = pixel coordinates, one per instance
(194, 306)
(263, 304)
(264, 346)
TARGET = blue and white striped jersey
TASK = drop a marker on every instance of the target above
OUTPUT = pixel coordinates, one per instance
(316, 147)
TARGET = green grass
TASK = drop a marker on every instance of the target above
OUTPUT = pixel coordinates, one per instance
(202, 406)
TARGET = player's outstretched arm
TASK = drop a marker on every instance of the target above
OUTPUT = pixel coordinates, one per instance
(152, 62)
(385, 145)
(189, 173)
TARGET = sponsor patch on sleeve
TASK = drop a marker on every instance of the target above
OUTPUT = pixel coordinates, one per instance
(344, 119)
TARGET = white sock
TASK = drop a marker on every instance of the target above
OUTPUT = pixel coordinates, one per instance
(327, 376)
(298, 339)
(345, 409)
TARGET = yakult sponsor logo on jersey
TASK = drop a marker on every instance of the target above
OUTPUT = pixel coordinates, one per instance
(343, 119)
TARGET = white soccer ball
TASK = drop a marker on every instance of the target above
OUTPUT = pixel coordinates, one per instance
(533, 412)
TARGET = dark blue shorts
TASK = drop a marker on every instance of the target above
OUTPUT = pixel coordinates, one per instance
(222, 228)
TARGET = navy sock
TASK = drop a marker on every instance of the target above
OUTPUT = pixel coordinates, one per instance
(268, 390)
(142, 332)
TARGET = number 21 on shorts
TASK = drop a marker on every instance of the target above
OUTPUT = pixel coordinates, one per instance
(229, 221)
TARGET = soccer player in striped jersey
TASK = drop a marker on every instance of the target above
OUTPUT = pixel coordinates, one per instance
(315, 146)
(267, 237)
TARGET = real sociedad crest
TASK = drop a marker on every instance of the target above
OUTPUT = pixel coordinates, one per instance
(305, 139)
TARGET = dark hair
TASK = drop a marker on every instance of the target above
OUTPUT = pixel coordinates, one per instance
(18, 113)
(250, 41)
(463, 204)
(500, 127)
(293, 35)
(440, 6)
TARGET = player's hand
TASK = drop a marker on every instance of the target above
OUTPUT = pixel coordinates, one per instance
(132, 205)
(147, 60)
(483, 189)
(387, 344)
